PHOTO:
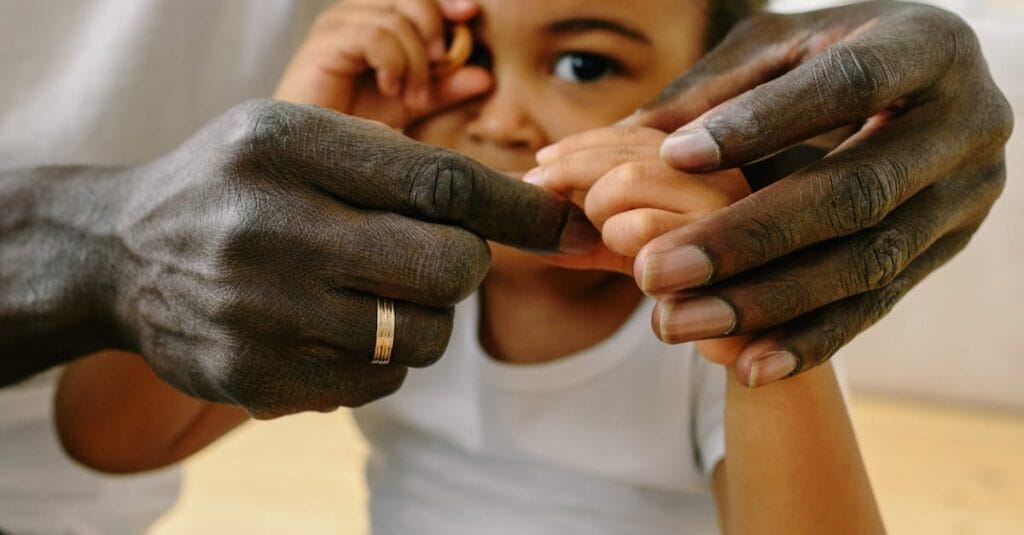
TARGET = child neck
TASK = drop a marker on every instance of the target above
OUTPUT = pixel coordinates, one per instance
(541, 316)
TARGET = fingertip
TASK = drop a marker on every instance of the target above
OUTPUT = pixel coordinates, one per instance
(691, 149)
(459, 10)
(534, 176)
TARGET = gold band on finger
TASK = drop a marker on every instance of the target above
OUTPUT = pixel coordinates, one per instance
(385, 331)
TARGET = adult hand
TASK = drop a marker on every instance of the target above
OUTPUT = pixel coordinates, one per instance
(810, 261)
(246, 265)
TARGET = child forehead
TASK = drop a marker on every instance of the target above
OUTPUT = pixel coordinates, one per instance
(539, 11)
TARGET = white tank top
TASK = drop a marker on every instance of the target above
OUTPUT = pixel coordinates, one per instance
(618, 438)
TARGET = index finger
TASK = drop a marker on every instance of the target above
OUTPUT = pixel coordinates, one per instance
(847, 83)
(369, 165)
(424, 15)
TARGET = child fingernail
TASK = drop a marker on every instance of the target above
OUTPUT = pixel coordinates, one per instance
(772, 367)
(675, 269)
(534, 176)
(692, 149)
(695, 319)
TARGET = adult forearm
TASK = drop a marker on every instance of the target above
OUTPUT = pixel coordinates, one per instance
(792, 460)
(58, 250)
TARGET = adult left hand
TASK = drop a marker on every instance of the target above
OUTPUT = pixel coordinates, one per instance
(813, 259)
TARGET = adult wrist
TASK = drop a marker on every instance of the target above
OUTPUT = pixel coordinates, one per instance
(61, 260)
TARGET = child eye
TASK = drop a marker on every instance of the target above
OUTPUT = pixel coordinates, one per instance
(584, 67)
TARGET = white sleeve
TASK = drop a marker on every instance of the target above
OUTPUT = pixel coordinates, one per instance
(708, 406)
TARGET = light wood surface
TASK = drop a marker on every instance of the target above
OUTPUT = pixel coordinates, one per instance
(936, 469)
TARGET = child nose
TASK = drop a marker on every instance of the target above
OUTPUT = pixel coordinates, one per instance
(503, 121)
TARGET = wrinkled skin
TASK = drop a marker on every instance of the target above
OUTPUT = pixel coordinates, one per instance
(246, 265)
(812, 260)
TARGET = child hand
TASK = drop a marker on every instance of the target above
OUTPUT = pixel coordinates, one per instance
(632, 196)
(371, 58)
(628, 192)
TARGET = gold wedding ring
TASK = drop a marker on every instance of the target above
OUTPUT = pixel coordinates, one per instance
(458, 52)
(385, 331)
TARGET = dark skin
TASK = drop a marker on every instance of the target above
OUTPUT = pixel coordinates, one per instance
(215, 262)
(246, 265)
(814, 258)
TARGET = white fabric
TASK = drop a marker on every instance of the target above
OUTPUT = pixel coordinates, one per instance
(618, 438)
(114, 82)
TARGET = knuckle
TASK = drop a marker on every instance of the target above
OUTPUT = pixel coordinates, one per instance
(453, 267)
(626, 236)
(442, 188)
(861, 72)
(832, 336)
(374, 33)
(765, 233)
(259, 136)
(397, 22)
(948, 30)
(864, 194)
(631, 174)
(634, 131)
(883, 257)
(625, 153)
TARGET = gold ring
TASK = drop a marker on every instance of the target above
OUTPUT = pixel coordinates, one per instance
(458, 53)
(385, 331)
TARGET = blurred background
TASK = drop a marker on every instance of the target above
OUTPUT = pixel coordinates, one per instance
(937, 392)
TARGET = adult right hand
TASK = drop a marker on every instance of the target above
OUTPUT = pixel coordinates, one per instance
(246, 265)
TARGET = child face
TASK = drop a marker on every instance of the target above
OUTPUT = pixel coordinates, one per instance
(561, 67)
(564, 66)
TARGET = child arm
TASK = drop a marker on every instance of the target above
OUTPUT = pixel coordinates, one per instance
(115, 415)
(792, 463)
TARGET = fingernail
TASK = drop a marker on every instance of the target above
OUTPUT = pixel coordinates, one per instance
(534, 176)
(695, 318)
(545, 154)
(771, 368)
(675, 269)
(579, 236)
(460, 4)
(692, 149)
